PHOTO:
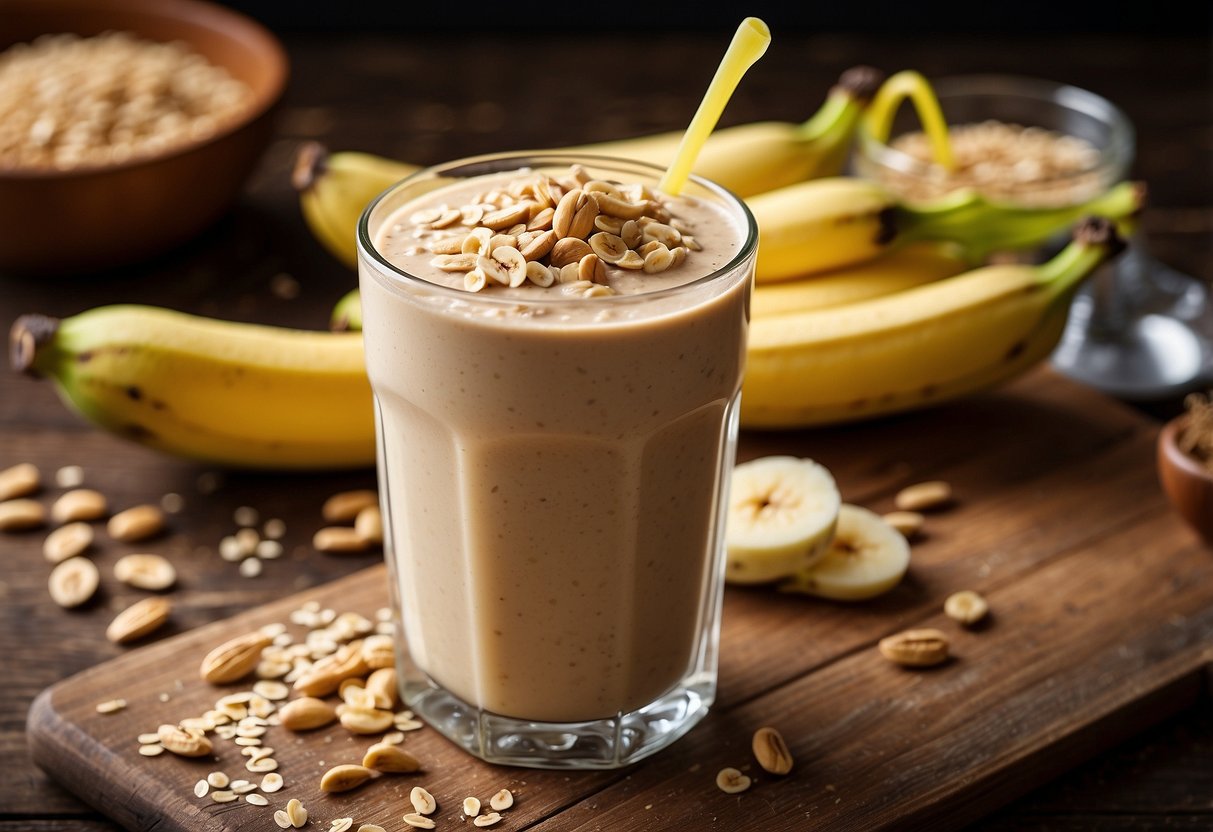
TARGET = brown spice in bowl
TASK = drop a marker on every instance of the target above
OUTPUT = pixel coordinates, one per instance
(1196, 437)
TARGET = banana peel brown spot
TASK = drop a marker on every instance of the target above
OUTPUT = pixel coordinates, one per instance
(1016, 350)
(929, 390)
(134, 393)
(136, 432)
(887, 229)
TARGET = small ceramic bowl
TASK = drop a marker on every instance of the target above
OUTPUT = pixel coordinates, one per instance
(90, 218)
(1188, 483)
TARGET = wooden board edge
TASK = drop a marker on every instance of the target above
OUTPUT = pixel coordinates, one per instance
(47, 731)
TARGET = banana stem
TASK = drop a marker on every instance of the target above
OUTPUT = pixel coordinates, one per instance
(27, 339)
(1095, 240)
(912, 85)
(983, 227)
(853, 91)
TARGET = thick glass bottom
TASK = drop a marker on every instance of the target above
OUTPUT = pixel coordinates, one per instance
(608, 743)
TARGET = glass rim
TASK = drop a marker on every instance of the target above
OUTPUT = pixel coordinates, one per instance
(1117, 156)
(384, 271)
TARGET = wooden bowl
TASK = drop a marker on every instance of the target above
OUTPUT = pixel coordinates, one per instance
(91, 218)
(1186, 482)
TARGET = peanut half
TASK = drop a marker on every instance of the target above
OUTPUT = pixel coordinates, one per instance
(916, 648)
(138, 620)
(771, 751)
(234, 659)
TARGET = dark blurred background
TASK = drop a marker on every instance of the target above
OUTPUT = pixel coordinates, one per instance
(910, 18)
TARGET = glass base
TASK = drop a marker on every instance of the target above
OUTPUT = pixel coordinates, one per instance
(608, 743)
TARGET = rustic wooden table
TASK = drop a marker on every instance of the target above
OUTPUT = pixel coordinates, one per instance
(425, 101)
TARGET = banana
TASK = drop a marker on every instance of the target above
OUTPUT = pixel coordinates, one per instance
(781, 518)
(867, 557)
(836, 223)
(335, 187)
(917, 347)
(229, 393)
(895, 271)
(901, 269)
(747, 159)
(258, 396)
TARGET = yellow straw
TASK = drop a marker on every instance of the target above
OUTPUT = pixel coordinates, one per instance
(888, 98)
(751, 41)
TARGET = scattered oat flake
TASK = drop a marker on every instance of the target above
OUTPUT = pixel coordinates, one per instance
(393, 738)
(256, 799)
(150, 750)
(371, 827)
(274, 528)
(149, 739)
(172, 503)
(471, 806)
(271, 782)
(341, 824)
(418, 821)
(224, 796)
(487, 820)
(501, 801)
(282, 819)
(111, 707)
(201, 788)
(250, 567)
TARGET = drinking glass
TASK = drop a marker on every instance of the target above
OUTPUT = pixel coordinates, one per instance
(553, 474)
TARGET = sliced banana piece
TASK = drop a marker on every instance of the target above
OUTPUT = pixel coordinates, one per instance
(782, 512)
(868, 557)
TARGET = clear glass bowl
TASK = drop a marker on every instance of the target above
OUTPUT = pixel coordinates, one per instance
(1028, 102)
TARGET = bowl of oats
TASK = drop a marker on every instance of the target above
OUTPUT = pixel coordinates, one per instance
(1014, 139)
(126, 126)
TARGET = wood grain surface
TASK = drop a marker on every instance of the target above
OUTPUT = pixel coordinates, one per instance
(1102, 625)
(428, 99)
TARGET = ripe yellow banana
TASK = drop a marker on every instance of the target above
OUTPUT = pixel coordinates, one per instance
(827, 224)
(229, 393)
(747, 159)
(257, 396)
(904, 268)
(917, 347)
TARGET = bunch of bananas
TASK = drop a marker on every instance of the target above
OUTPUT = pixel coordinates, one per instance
(863, 306)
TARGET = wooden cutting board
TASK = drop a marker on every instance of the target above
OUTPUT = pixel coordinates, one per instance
(1102, 624)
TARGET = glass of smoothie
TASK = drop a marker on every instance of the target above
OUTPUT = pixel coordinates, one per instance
(556, 353)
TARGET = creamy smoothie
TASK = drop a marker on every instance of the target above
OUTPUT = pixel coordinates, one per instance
(553, 448)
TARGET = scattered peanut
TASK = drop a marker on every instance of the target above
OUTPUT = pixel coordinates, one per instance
(20, 480)
(966, 607)
(916, 648)
(67, 542)
(80, 504)
(21, 515)
(923, 496)
(135, 524)
(344, 777)
(73, 582)
(771, 751)
(139, 620)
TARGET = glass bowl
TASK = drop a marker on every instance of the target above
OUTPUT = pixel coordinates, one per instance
(1028, 102)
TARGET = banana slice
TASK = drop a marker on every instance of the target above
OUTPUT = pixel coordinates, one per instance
(867, 557)
(782, 512)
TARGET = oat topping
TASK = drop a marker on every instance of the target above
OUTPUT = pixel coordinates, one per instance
(67, 101)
